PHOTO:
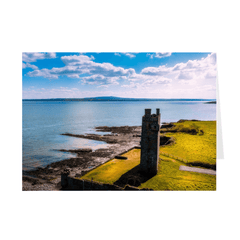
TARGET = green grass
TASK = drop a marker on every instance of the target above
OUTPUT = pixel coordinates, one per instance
(193, 148)
(170, 178)
(196, 147)
(114, 169)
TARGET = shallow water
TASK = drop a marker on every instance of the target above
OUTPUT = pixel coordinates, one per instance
(44, 121)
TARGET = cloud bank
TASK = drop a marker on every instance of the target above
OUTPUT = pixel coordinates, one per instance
(34, 56)
(193, 75)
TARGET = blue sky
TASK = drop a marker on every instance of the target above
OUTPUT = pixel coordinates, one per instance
(139, 75)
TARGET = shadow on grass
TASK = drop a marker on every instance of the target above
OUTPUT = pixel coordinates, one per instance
(193, 129)
(133, 177)
(201, 164)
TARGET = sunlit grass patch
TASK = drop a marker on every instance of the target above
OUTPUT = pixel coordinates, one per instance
(188, 148)
(114, 169)
(169, 177)
(194, 148)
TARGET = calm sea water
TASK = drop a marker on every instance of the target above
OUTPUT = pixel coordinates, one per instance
(44, 121)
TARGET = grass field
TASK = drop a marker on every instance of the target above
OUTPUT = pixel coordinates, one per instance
(199, 147)
(114, 169)
(170, 178)
(193, 148)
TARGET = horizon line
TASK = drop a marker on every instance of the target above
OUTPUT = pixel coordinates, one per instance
(116, 97)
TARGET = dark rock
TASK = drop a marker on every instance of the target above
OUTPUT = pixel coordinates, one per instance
(66, 171)
(80, 150)
(84, 172)
(78, 175)
(170, 125)
(121, 157)
(137, 135)
(122, 129)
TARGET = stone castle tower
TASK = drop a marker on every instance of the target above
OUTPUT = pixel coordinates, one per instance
(150, 142)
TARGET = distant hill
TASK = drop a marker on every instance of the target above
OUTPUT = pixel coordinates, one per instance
(212, 102)
(111, 98)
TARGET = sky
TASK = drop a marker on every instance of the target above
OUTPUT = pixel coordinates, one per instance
(125, 74)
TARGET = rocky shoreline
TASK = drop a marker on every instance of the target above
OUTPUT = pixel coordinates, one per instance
(120, 140)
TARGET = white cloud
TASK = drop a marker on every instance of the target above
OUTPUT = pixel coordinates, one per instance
(191, 70)
(185, 75)
(28, 65)
(159, 54)
(103, 86)
(156, 71)
(98, 79)
(201, 65)
(158, 80)
(72, 75)
(211, 74)
(187, 82)
(141, 81)
(131, 55)
(76, 59)
(82, 64)
(132, 85)
(34, 56)
(149, 78)
(54, 73)
(206, 88)
(195, 76)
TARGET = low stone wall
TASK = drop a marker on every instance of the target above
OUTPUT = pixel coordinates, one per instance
(71, 183)
(135, 147)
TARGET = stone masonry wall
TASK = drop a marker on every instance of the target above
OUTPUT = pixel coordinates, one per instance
(71, 183)
(150, 142)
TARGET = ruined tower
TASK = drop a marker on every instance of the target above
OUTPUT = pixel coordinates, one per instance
(150, 142)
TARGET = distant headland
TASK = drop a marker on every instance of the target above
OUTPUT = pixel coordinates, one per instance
(212, 102)
(111, 98)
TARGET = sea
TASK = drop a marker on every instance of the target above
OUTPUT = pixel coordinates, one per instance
(43, 122)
